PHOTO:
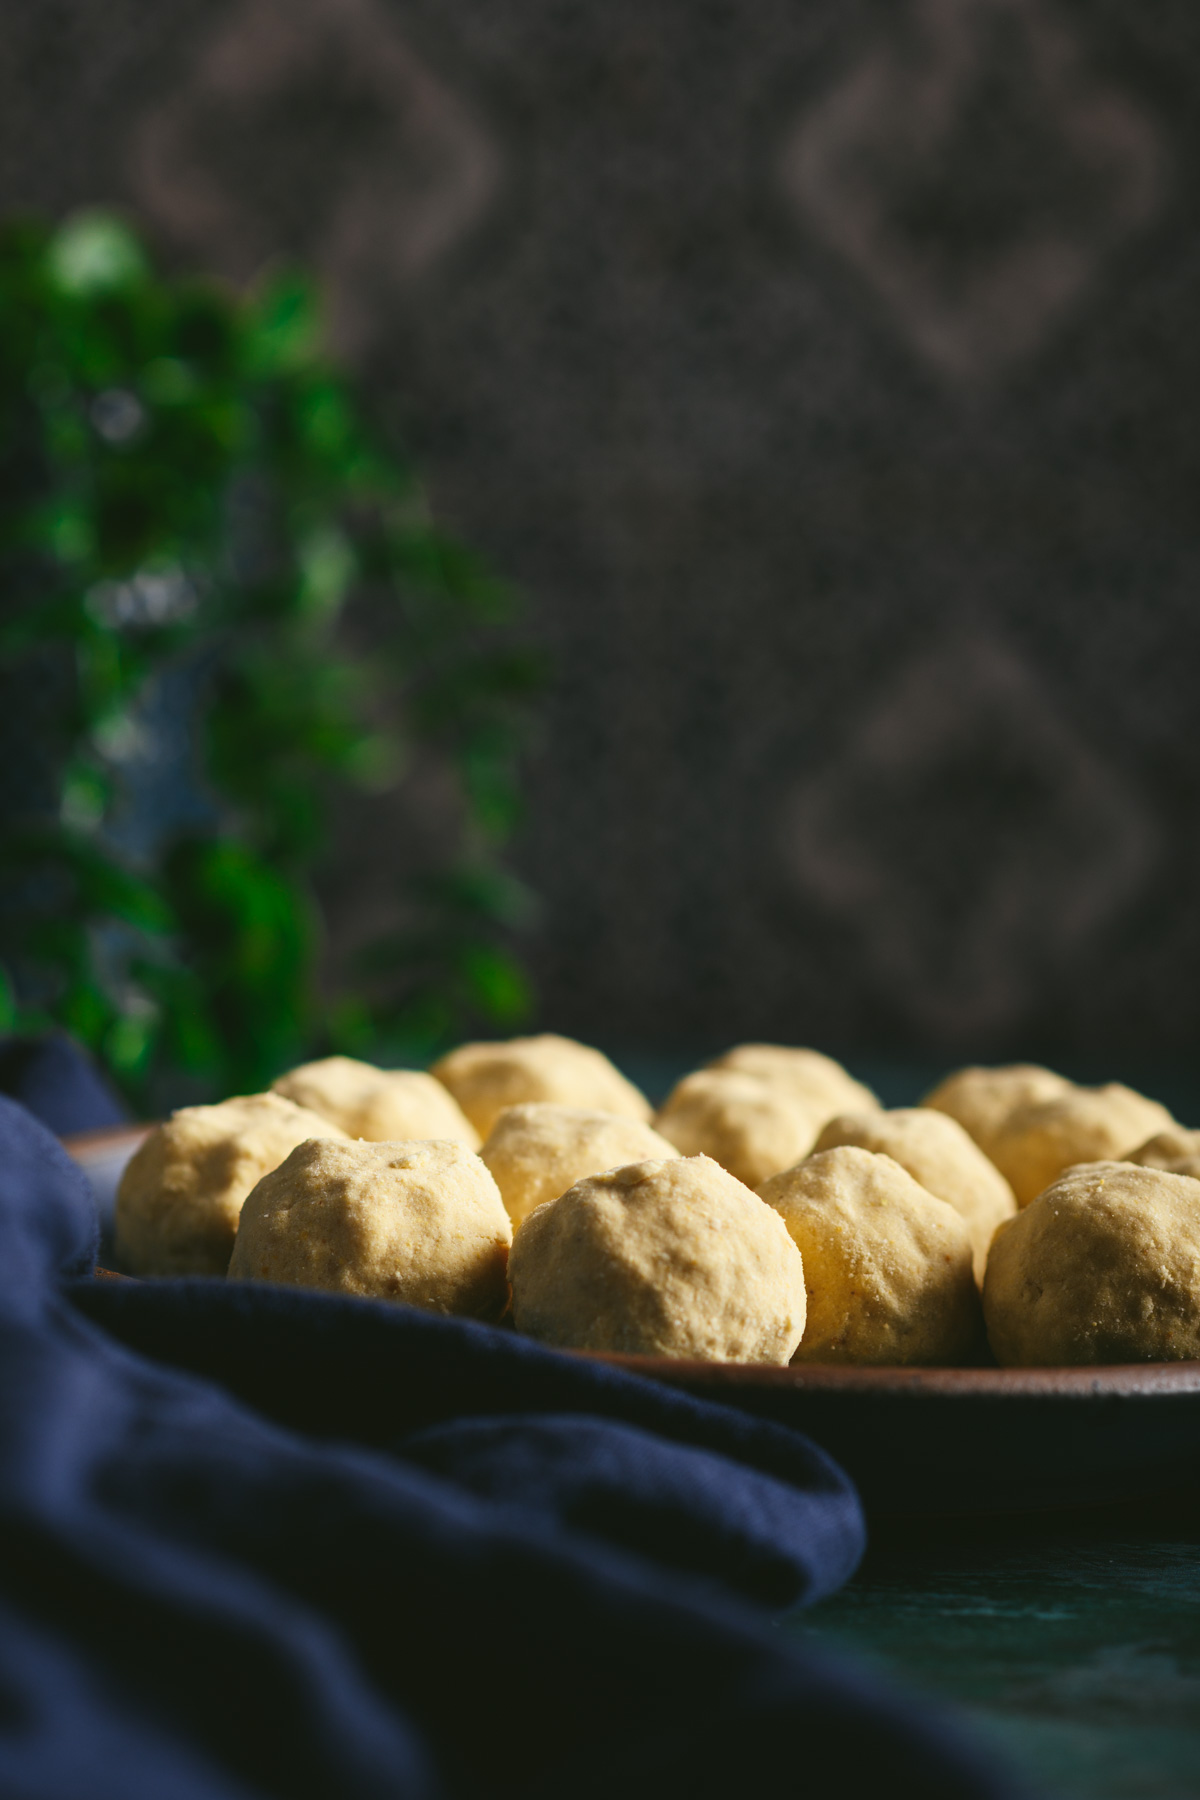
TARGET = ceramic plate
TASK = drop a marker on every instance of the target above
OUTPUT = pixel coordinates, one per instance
(976, 1440)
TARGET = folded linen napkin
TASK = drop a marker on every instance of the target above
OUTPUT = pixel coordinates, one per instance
(259, 1542)
(57, 1081)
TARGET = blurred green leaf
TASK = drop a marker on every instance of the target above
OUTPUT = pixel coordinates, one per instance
(328, 565)
(283, 325)
(8, 1002)
(129, 1042)
(168, 381)
(497, 984)
(249, 937)
(94, 253)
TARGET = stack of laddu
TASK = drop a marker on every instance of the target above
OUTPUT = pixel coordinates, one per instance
(771, 1211)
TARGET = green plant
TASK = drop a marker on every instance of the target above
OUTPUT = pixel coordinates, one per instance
(193, 514)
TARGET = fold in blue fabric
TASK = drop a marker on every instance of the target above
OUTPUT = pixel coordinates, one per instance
(56, 1080)
(258, 1542)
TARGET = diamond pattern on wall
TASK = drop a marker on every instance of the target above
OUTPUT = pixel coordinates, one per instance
(967, 744)
(313, 125)
(976, 175)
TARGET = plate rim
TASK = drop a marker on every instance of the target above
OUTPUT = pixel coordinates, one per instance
(87, 1146)
(1084, 1381)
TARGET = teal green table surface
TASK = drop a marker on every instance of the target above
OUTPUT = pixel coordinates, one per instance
(1071, 1643)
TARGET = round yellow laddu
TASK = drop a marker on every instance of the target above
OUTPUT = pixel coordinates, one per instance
(1102, 1267)
(818, 1082)
(749, 1128)
(421, 1223)
(1083, 1125)
(982, 1100)
(939, 1155)
(661, 1259)
(1177, 1150)
(536, 1152)
(485, 1078)
(382, 1105)
(180, 1195)
(888, 1267)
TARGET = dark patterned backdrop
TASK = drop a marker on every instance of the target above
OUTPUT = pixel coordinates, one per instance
(828, 372)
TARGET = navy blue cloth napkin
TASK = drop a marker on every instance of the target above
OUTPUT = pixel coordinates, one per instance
(257, 1542)
(57, 1081)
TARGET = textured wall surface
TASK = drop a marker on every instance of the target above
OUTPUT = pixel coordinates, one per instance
(828, 372)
